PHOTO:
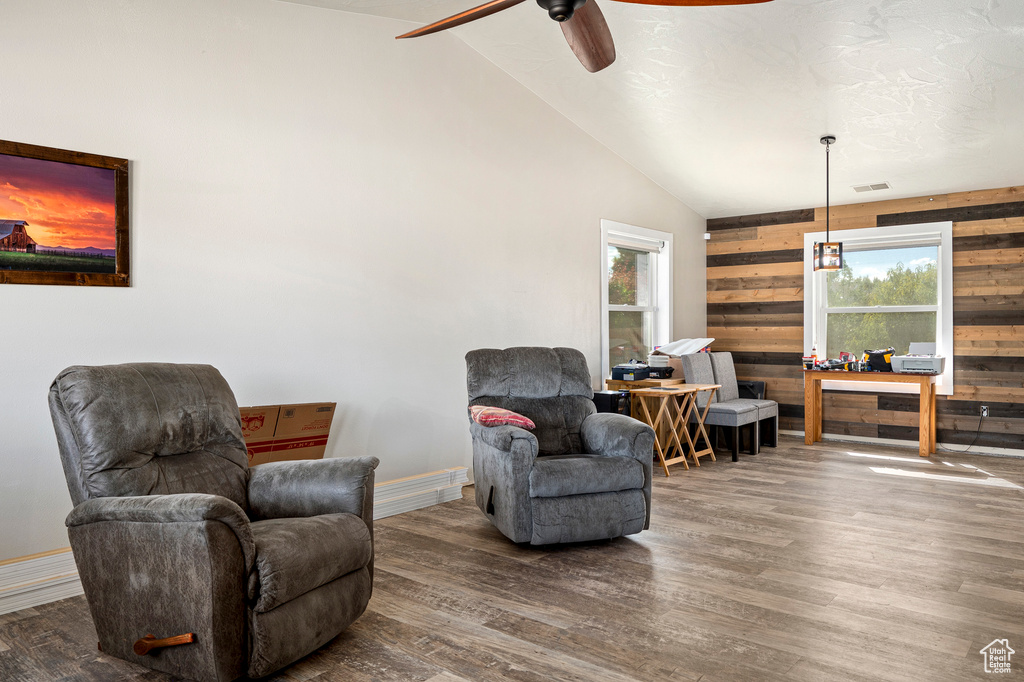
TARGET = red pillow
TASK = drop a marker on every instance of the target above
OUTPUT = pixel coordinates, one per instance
(496, 416)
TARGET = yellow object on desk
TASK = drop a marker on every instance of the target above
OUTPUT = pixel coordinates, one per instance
(670, 416)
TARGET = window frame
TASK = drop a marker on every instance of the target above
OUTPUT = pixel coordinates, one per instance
(634, 237)
(815, 311)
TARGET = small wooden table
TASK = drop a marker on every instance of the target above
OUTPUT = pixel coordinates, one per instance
(812, 400)
(623, 385)
(671, 416)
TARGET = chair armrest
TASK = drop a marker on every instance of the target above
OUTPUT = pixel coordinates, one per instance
(616, 435)
(168, 565)
(751, 389)
(311, 487)
(179, 508)
(502, 437)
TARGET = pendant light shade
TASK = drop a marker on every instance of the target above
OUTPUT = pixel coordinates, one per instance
(827, 255)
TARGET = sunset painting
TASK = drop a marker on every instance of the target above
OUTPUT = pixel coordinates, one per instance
(56, 217)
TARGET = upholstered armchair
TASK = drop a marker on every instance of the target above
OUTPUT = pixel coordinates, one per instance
(578, 475)
(192, 563)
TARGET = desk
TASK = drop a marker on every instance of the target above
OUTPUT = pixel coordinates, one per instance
(681, 400)
(812, 400)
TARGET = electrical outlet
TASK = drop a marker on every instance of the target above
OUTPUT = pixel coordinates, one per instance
(984, 410)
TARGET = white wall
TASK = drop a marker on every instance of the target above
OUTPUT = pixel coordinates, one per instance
(320, 211)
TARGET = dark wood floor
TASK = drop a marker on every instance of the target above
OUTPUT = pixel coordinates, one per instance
(803, 563)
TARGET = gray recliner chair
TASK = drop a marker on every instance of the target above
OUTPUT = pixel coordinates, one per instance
(579, 475)
(174, 535)
(728, 409)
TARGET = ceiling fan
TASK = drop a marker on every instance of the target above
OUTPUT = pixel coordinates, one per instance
(582, 23)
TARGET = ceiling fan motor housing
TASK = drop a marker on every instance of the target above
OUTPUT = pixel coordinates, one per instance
(561, 10)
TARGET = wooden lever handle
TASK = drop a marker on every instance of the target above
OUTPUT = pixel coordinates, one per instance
(149, 642)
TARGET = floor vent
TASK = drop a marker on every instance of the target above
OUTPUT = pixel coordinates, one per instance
(872, 187)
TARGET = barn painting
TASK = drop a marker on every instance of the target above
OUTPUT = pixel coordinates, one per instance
(60, 213)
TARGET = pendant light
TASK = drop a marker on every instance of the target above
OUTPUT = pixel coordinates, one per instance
(827, 255)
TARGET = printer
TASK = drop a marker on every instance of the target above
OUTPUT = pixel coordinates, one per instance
(920, 359)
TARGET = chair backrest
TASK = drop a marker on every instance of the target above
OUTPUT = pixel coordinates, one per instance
(697, 370)
(725, 374)
(551, 386)
(148, 429)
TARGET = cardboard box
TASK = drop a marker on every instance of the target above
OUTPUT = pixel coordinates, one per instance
(281, 432)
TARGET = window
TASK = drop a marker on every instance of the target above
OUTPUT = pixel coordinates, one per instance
(895, 288)
(636, 293)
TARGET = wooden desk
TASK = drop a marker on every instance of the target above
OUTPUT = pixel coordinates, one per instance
(812, 400)
(682, 401)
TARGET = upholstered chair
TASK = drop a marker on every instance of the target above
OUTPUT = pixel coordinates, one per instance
(749, 392)
(175, 537)
(728, 410)
(578, 475)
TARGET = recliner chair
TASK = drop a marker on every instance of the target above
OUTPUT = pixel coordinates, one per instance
(174, 534)
(578, 475)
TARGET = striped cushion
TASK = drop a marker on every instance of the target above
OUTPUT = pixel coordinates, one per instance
(496, 416)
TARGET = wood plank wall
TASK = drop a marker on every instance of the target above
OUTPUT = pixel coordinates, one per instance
(755, 310)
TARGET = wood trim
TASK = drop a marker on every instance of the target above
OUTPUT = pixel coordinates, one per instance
(38, 555)
(802, 215)
(756, 308)
(759, 258)
(959, 214)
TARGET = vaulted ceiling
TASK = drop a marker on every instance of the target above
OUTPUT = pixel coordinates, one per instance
(723, 106)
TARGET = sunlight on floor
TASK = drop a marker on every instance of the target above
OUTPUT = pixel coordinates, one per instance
(991, 481)
(908, 460)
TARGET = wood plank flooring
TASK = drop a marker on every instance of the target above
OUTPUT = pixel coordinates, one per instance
(802, 563)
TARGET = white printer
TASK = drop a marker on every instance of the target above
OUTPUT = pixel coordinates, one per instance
(920, 359)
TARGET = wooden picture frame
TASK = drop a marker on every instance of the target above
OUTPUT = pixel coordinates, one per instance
(68, 204)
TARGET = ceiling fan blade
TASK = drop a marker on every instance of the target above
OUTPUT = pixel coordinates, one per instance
(694, 3)
(469, 15)
(588, 35)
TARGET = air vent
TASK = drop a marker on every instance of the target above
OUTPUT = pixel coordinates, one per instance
(872, 187)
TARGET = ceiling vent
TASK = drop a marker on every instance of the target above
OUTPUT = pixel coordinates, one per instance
(872, 187)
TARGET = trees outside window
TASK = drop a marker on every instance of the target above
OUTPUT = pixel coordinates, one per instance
(882, 298)
(895, 288)
(636, 297)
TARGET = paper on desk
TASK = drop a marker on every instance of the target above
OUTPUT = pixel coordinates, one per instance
(683, 347)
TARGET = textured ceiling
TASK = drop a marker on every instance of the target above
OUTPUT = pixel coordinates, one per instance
(723, 106)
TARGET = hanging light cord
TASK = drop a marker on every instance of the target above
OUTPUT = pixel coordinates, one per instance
(827, 206)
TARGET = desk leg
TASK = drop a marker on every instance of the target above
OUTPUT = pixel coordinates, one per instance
(817, 409)
(925, 421)
(934, 425)
(808, 410)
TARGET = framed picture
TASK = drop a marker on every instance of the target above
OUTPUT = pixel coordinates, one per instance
(63, 217)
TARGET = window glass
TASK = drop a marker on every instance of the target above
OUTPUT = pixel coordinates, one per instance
(629, 277)
(630, 336)
(886, 277)
(858, 332)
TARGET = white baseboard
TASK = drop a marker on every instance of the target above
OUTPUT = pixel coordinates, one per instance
(50, 576)
(38, 579)
(912, 444)
(417, 492)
